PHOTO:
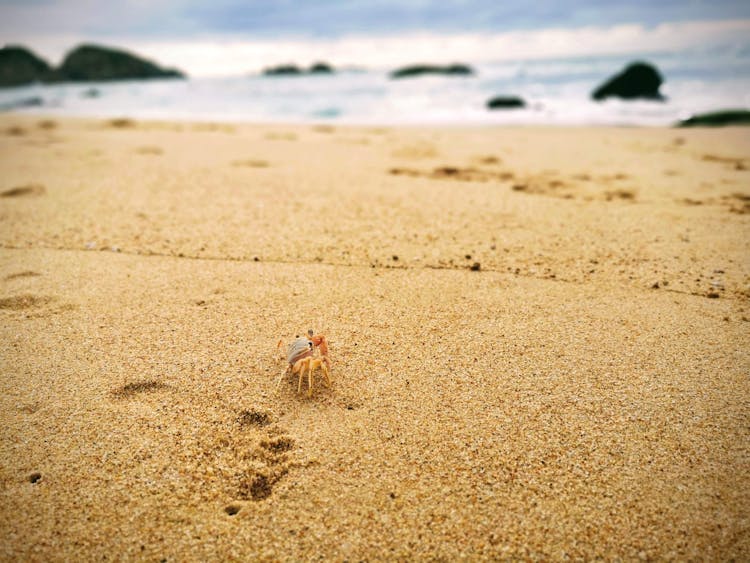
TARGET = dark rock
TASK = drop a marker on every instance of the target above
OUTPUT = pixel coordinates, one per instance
(505, 102)
(639, 80)
(294, 70)
(321, 68)
(282, 70)
(34, 101)
(419, 70)
(718, 119)
(20, 66)
(94, 63)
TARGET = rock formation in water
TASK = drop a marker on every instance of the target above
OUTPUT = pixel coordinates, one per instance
(717, 118)
(506, 102)
(421, 70)
(94, 63)
(19, 66)
(639, 80)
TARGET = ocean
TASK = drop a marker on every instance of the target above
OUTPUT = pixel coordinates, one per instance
(557, 92)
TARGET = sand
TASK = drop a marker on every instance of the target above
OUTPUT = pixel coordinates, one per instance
(540, 342)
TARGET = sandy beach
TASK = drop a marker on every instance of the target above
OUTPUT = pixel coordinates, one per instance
(540, 341)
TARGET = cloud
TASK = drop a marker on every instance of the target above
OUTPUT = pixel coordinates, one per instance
(224, 56)
(226, 37)
(174, 19)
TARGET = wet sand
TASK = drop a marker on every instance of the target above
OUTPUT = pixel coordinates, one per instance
(540, 342)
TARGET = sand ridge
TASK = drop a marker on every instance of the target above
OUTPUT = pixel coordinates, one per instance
(581, 394)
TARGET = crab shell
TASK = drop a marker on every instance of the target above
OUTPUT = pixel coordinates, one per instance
(300, 348)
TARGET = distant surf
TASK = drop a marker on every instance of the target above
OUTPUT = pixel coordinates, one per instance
(556, 92)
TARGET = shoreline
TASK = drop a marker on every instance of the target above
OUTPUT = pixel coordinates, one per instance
(469, 123)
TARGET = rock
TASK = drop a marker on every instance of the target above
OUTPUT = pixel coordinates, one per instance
(282, 70)
(34, 101)
(717, 119)
(91, 93)
(94, 63)
(639, 80)
(321, 68)
(505, 102)
(19, 66)
(294, 70)
(419, 70)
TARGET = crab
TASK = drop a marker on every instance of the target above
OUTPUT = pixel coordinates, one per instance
(301, 359)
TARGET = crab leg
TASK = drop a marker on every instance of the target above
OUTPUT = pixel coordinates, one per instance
(281, 378)
(325, 371)
(302, 364)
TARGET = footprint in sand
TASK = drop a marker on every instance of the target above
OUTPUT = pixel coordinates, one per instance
(24, 274)
(15, 131)
(34, 306)
(251, 163)
(461, 174)
(24, 191)
(257, 483)
(130, 390)
(252, 417)
(547, 183)
(737, 203)
(627, 195)
(544, 186)
(267, 462)
(690, 201)
(488, 160)
(121, 123)
(47, 124)
(732, 162)
(21, 302)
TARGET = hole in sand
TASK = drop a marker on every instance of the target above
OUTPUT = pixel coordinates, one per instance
(35, 477)
(232, 509)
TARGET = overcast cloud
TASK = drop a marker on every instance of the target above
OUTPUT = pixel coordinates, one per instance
(231, 36)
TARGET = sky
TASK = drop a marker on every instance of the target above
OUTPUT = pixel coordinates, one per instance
(221, 37)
